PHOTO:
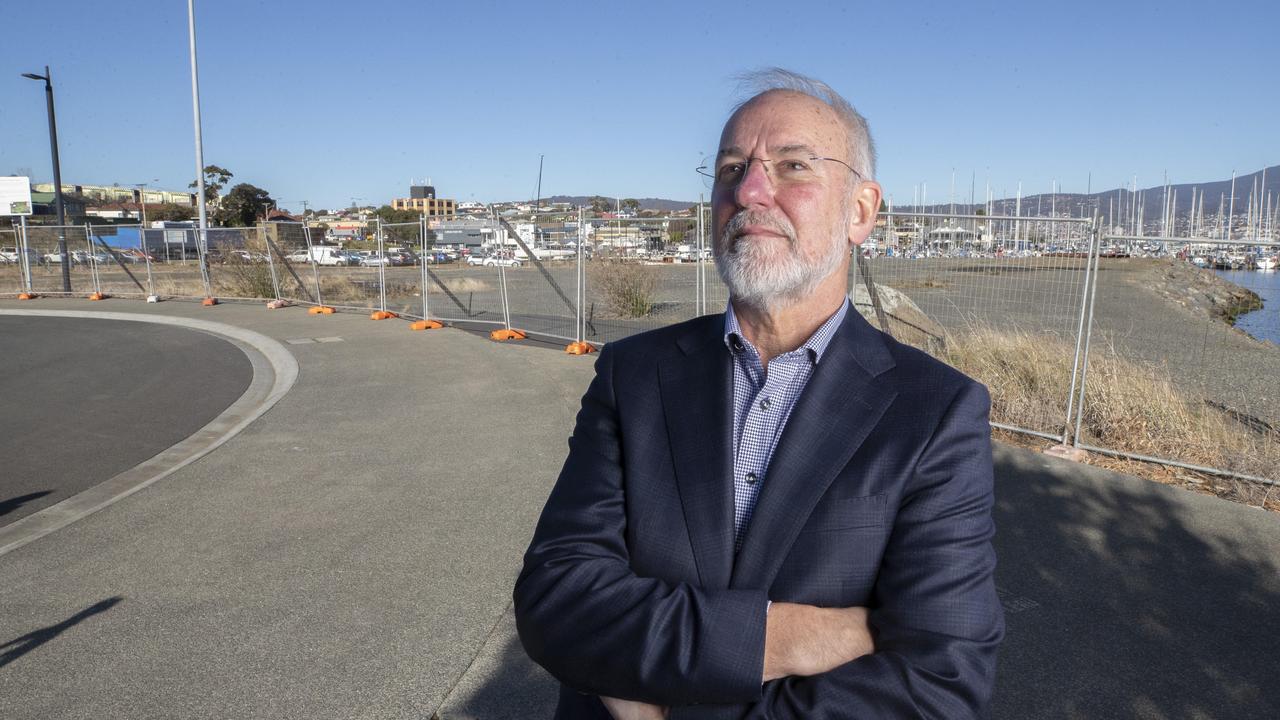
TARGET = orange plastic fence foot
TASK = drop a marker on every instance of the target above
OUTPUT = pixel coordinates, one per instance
(277, 304)
(320, 310)
(507, 334)
(27, 296)
(383, 315)
(97, 296)
(580, 348)
(426, 325)
(209, 302)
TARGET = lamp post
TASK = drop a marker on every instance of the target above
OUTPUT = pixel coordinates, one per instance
(57, 177)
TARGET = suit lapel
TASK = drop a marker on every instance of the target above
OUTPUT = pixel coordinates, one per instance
(836, 412)
(697, 392)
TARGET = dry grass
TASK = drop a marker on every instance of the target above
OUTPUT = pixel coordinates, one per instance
(628, 288)
(1128, 407)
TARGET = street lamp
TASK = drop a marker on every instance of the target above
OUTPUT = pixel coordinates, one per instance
(57, 177)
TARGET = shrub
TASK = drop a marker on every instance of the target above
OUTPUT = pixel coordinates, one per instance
(628, 288)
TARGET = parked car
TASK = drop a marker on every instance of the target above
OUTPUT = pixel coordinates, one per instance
(495, 261)
(474, 259)
(375, 260)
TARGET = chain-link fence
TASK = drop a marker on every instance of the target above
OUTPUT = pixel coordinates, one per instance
(1121, 345)
(44, 243)
(13, 275)
(1000, 298)
(1172, 370)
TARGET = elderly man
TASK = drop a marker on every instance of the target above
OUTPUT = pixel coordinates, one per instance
(778, 512)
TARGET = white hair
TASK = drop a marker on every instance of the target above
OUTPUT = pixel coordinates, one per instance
(862, 151)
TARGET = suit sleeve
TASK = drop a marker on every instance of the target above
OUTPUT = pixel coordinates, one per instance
(937, 620)
(594, 624)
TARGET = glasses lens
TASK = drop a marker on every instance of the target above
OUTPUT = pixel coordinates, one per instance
(706, 171)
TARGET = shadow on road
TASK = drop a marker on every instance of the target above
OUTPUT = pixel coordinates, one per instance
(8, 506)
(1124, 599)
(18, 647)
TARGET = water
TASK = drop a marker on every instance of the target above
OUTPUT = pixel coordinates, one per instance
(1262, 324)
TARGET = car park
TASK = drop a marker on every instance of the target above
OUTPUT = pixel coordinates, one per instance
(374, 260)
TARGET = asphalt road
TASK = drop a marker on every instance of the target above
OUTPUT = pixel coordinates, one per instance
(86, 399)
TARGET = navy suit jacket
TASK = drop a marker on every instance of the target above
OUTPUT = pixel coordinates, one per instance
(879, 494)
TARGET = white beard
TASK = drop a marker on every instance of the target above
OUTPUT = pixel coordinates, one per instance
(763, 275)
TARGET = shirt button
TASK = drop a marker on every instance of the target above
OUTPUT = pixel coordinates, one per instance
(751, 478)
(765, 404)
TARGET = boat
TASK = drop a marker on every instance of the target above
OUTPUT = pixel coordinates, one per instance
(1265, 262)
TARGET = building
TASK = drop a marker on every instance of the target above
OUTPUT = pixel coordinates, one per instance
(422, 199)
(117, 194)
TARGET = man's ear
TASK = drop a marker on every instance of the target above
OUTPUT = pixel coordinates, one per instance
(863, 210)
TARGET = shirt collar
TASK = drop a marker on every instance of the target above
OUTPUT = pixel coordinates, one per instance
(816, 345)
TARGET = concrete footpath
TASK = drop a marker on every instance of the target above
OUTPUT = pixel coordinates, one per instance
(350, 554)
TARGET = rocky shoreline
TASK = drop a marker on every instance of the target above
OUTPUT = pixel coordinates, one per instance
(1202, 291)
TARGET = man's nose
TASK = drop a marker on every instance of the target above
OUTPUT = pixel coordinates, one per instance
(756, 187)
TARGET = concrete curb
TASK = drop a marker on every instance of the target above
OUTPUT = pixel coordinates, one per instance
(274, 372)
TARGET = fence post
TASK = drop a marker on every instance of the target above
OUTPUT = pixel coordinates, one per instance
(25, 248)
(1088, 337)
(146, 258)
(271, 265)
(92, 259)
(382, 268)
(1090, 257)
(315, 267)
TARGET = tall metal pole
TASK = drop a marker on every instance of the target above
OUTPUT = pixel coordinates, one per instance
(57, 176)
(202, 238)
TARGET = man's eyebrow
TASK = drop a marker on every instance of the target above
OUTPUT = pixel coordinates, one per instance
(793, 149)
(781, 150)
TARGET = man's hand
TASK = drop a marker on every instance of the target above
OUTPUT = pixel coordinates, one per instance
(632, 709)
(808, 640)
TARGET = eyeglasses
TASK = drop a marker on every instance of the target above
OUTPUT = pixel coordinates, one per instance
(786, 171)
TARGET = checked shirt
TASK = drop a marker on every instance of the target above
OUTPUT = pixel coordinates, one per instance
(762, 402)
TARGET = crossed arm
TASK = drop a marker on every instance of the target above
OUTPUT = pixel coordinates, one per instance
(586, 617)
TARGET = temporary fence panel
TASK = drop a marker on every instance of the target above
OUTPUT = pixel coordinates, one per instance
(117, 260)
(358, 285)
(293, 276)
(43, 242)
(175, 254)
(402, 275)
(465, 285)
(541, 277)
(1001, 298)
(12, 272)
(1182, 354)
(642, 273)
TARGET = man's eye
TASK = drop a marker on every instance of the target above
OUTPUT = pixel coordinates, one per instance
(794, 166)
(730, 170)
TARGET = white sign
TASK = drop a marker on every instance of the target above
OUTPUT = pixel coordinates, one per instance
(15, 196)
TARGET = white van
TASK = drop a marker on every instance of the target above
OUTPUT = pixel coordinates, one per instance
(324, 255)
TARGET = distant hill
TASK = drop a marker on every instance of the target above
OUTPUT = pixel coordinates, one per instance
(660, 204)
(1119, 198)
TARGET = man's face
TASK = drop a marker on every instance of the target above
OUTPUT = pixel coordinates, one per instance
(775, 237)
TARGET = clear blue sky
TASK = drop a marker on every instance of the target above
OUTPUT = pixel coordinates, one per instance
(326, 100)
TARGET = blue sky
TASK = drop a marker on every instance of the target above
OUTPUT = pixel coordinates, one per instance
(326, 101)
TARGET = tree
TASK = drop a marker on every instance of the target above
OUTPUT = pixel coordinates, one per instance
(170, 211)
(631, 205)
(600, 204)
(243, 206)
(215, 178)
(388, 214)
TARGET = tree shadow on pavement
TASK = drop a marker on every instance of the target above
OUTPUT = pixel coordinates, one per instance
(1126, 598)
(18, 647)
(13, 503)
